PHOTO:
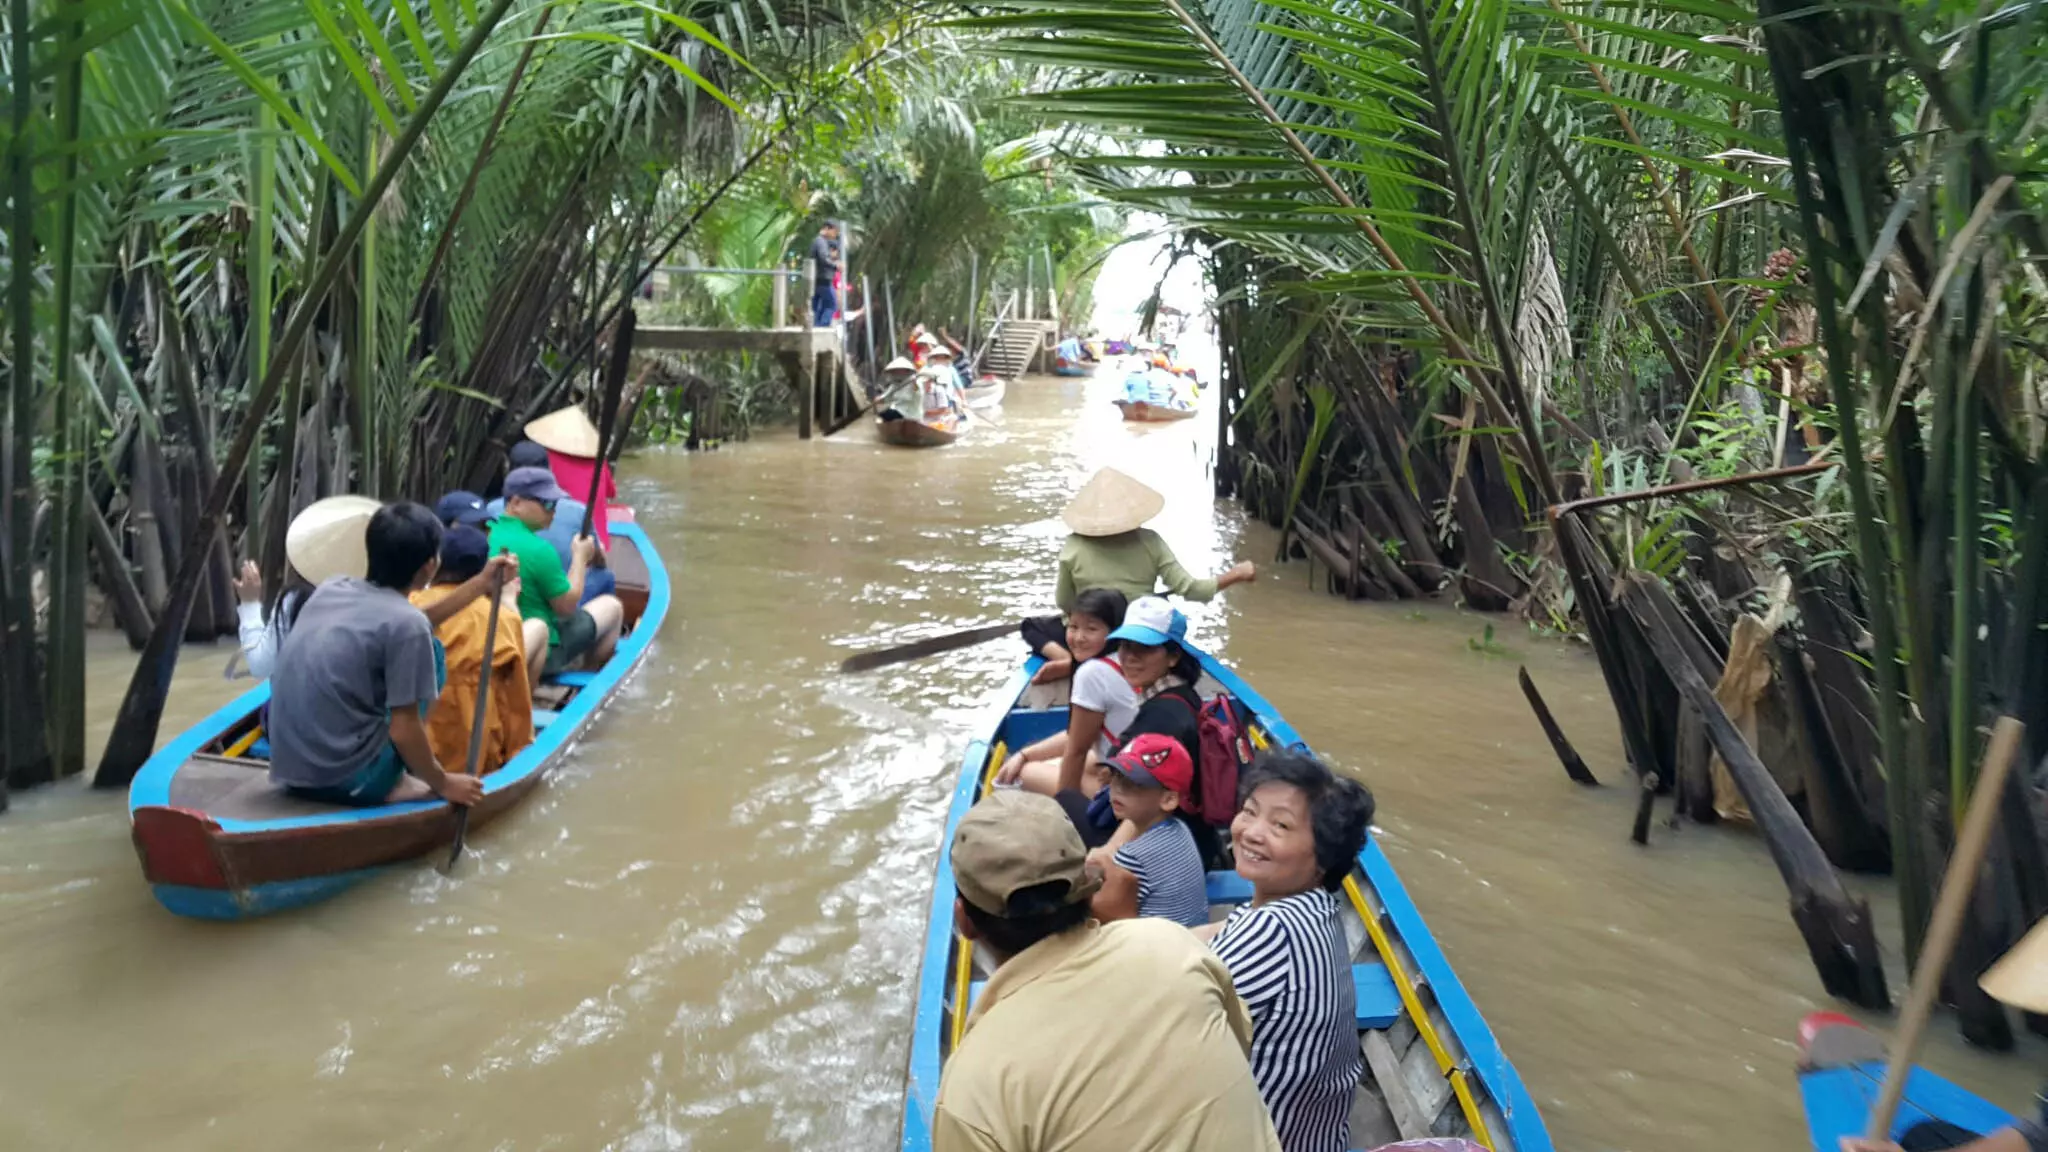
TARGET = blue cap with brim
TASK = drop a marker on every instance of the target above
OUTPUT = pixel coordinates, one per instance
(534, 484)
(464, 550)
(1151, 620)
(459, 507)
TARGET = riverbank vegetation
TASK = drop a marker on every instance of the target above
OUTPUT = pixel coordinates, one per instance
(1479, 261)
(261, 253)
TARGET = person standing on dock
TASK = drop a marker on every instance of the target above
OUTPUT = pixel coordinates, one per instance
(1111, 548)
(1036, 1068)
(825, 262)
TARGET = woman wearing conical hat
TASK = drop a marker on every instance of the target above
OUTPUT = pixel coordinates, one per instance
(1111, 548)
(2020, 979)
(571, 441)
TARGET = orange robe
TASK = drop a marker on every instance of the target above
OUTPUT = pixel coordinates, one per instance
(508, 725)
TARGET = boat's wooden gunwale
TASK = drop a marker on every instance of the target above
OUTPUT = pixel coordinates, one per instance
(904, 432)
(1144, 412)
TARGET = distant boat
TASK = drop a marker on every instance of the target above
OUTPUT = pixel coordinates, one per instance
(219, 841)
(1432, 1066)
(987, 392)
(904, 432)
(1841, 1072)
(1142, 412)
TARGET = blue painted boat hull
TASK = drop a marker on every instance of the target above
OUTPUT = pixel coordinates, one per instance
(1838, 1087)
(1489, 1102)
(204, 863)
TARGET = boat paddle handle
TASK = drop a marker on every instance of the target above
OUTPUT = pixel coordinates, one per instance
(483, 702)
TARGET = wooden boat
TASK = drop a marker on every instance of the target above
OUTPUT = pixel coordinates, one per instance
(1141, 412)
(219, 841)
(1841, 1071)
(987, 392)
(1073, 368)
(1432, 1064)
(904, 432)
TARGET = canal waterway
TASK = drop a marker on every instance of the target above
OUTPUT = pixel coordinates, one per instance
(702, 933)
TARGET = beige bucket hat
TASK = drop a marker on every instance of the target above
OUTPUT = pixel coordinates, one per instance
(2020, 978)
(1111, 503)
(567, 431)
(327, 539)
(1014, 839)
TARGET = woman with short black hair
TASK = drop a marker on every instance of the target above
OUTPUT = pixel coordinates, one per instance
(1298, 831)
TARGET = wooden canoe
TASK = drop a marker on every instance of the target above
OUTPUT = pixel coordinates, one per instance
(1140, 412)
(1432, 1066)
(987, 392)
(904, 432)
(1841, 1072)
(219, 841)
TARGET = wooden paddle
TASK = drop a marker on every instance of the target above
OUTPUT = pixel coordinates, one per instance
(476, 724)
(1942, 928)
(869, 661)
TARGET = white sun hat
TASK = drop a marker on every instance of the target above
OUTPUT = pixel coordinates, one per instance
(567, 431)
(327, 539)
(1110, 504)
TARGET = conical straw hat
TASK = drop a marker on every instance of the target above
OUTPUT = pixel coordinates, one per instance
(1111, 503)
(326, 540)
(2020, 978)
(900, 364)
(567, 431)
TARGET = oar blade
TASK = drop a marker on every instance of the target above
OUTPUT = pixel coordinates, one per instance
(869, 661)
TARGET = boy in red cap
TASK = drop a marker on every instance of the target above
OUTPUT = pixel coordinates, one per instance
(1159, 873)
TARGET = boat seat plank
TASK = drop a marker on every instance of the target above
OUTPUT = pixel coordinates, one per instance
(542, 717)
(574, 678)
(1385, 1068)
(1379, 1002)
(1229, 888)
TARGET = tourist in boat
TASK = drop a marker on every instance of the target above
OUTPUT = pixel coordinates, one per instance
(1111, 548)
(1158, 872)
(824, 275)
(508, 715)
(323, 541)
(1036, 1068)
(1100, 705)
(1296, 835)
(1066, 644)
(899, 393)
(459, 508)
(2020, 978)
(944, 399)
(561, 531)
(577, 632)
(359, 671)
(913, 345)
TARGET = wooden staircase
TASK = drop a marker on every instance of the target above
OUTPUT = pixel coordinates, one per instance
(1018, 347)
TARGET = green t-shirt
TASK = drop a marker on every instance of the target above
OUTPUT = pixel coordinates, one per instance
(541, 576)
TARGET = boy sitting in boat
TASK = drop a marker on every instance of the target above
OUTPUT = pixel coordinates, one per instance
(508, 718)
(1035, 1068)
(355, 678)
(1159, 872)
(551, 599)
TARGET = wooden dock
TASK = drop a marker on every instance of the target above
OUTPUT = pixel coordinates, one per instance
(829, 393)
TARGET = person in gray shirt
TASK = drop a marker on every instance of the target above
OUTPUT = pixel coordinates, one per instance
(355, 678)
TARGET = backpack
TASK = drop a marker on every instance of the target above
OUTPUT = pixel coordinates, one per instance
(1226, 749)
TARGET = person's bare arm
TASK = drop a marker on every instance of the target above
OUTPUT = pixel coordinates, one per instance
(1084, 726)
(409, 736)
(581, 553)
(480, 584)
(1046, 749)
(1117, 899)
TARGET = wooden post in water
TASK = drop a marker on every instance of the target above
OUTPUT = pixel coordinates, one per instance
(1574, 766)
(778, 312)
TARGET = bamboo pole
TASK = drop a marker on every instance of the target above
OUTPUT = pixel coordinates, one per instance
(1963, 866)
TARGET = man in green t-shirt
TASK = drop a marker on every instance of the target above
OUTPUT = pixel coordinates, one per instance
(548, 596)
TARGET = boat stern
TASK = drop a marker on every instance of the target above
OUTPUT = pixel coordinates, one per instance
(188, 869)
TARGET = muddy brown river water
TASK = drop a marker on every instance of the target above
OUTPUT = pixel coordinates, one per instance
(703, 931)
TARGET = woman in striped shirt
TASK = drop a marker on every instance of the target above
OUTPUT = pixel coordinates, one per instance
(1298, 829)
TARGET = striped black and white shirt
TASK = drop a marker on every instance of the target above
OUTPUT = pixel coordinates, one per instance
(1288, 961)
(1171, 883)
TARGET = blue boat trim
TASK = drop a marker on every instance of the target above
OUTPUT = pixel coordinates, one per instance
(1838, 1103)
(152, 785)
(1485, 1062)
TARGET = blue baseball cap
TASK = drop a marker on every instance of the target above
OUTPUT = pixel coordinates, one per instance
(464, 550)
(1151, 620)
(459, 507)
(527, 454)
(534, 484)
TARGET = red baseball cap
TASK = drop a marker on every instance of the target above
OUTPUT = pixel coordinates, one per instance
(1155, 761)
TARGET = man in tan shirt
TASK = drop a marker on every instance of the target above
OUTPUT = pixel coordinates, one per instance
(1124, 1037)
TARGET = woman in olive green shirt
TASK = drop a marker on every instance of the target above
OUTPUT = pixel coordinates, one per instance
(1110, 548)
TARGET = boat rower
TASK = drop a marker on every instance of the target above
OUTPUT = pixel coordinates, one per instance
(943, 397)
